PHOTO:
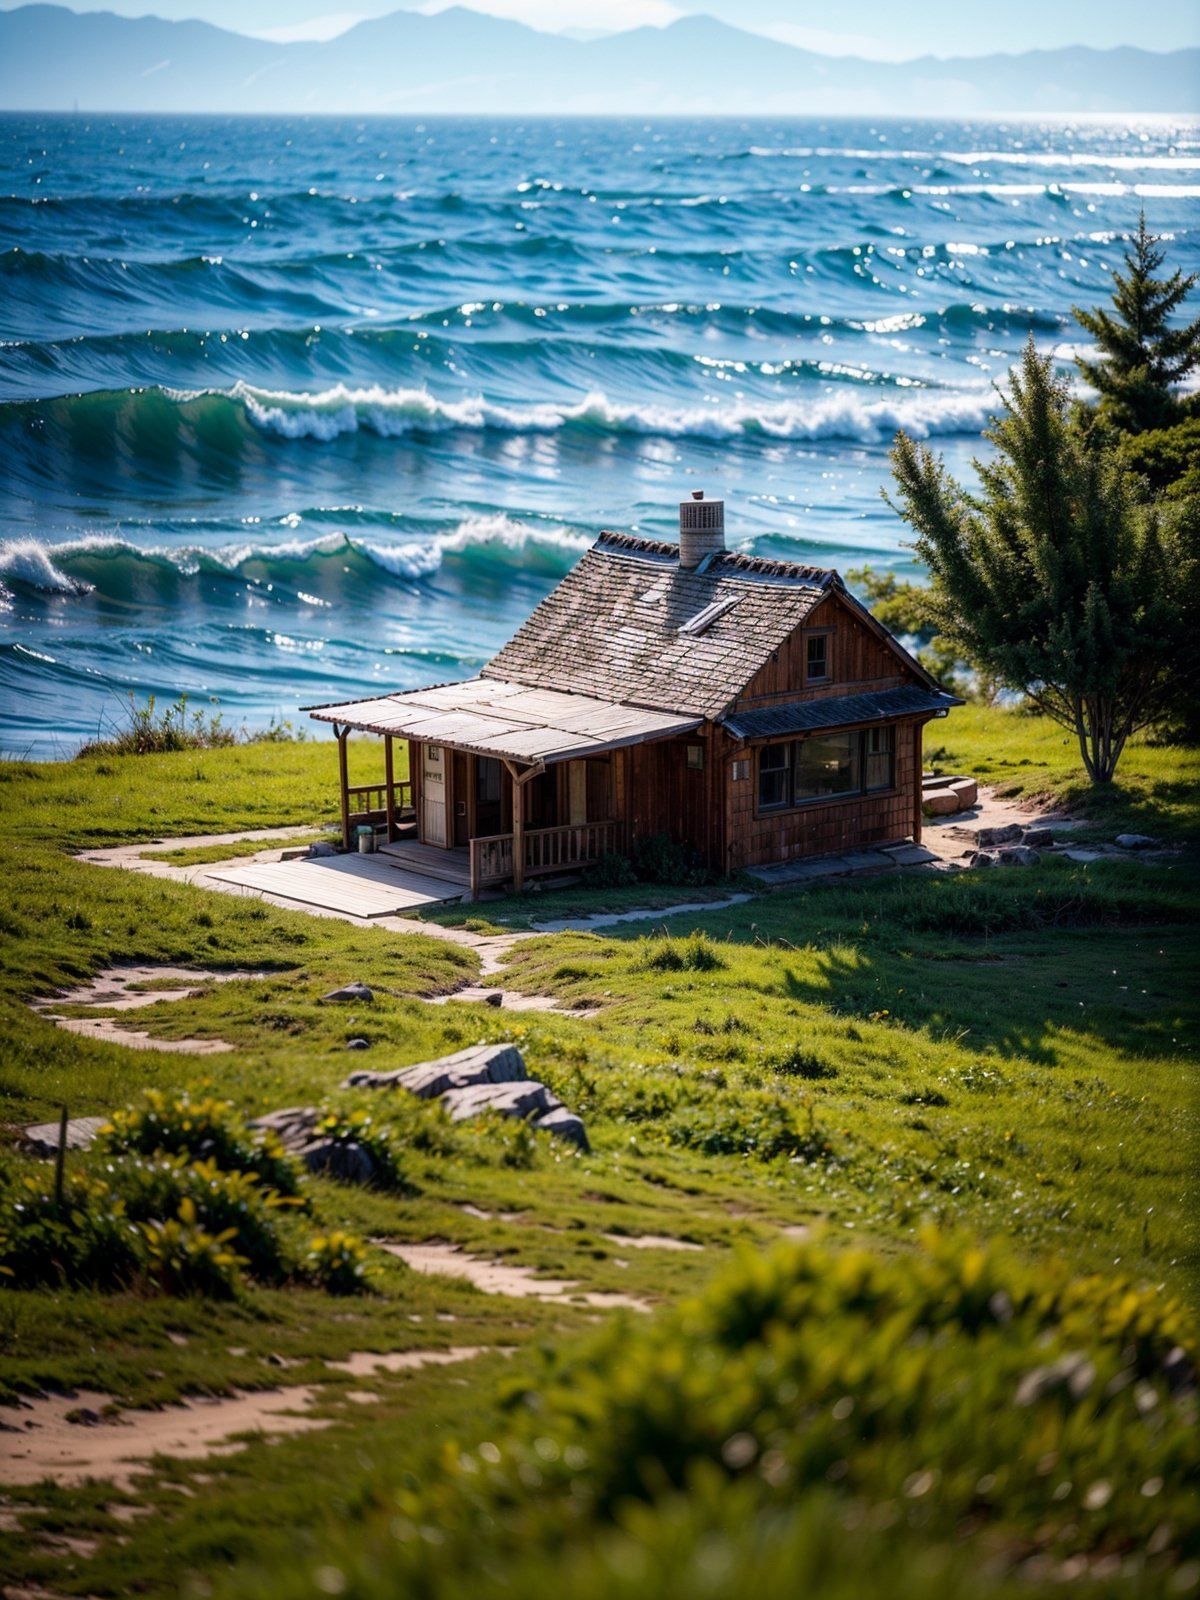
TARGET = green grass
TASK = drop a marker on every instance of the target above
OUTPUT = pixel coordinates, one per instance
(1030, 758)
(1007, 1056)
(200, 855)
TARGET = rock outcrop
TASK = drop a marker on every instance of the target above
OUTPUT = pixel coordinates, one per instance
(485, 1077)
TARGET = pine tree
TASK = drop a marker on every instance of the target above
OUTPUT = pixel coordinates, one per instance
(1057, 578)
(1142, 356)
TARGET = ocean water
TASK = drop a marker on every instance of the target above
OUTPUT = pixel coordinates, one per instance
(296, 409)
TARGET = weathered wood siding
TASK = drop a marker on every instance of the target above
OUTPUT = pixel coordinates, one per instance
(662, 794)
(859, 661)
(820, 827)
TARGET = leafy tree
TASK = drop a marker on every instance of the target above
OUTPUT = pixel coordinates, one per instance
(1142, 355)
(1057, 577)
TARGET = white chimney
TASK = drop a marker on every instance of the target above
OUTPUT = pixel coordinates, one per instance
(701, 529)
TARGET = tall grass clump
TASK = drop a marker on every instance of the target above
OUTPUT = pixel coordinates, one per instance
(697, 953)
(148, 731)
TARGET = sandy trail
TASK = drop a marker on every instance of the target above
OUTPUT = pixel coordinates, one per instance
(499, 1277)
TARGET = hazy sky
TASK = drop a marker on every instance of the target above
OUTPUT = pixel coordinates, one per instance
(879, 28)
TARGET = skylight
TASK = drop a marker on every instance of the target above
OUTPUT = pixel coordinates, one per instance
(703, 620)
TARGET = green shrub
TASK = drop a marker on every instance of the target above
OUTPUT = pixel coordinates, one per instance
(182, 1257)
(201, 1129)
(964, 1423)
(801, 1063)
(611, 871)
(337, 1262)
(662, 859)
(154, 1187)
(86, 1239)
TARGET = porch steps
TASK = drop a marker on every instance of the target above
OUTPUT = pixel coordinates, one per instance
(448, 866)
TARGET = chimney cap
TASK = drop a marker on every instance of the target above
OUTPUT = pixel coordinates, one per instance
(697, 494)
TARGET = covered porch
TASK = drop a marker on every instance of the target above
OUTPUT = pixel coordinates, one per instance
(504, 784)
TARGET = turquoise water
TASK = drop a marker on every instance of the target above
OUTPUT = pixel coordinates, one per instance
(295, 409)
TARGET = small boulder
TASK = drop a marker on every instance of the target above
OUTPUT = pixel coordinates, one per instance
(495, 998)
(1019, 855)
(1037, 838)
(940, 802)
(293, 1124)
(322, 848)
(983, 858)
(358, 1044)
(563, 1124)
(349, 994)
(342, 1159)
(987, 838)
(1136, 841)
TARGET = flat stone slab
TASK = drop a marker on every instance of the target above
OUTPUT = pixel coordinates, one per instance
(911, 855)
(487, 1063)
(42, 1139)
(527, 1100)
(781, 873)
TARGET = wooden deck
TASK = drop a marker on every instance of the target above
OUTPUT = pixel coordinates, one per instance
(430, 860)
(362, 886)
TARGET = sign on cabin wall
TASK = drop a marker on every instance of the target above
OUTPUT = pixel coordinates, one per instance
(433, 795)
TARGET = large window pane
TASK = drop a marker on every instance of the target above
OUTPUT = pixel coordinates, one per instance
(826, 764)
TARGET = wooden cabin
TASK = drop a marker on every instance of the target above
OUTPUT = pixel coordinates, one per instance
(752, 709)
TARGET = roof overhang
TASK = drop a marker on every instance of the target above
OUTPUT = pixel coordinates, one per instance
(839, 711)
(508, 721)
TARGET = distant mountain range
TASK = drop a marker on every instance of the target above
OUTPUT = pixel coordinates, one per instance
(52, 59)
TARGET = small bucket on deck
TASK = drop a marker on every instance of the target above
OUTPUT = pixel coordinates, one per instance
(366, 840)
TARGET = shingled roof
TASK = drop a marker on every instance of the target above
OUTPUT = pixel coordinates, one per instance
(617, 626)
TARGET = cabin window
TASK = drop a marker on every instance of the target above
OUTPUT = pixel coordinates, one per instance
(695, 757)
(879, 759)
(816, 664)
(774, 777)
(826, 766)
(741, 771)
(487, 781)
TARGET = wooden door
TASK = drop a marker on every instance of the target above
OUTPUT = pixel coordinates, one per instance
(433, 794)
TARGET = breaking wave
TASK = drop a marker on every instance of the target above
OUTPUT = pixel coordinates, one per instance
(116, 569)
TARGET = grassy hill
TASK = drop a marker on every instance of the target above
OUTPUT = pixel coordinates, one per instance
(932, 1140)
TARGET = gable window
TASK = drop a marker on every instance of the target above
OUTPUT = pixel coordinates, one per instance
(826, 766)
(816, 660)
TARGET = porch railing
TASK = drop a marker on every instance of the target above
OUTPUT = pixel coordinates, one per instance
(547, 851)
(368, 801)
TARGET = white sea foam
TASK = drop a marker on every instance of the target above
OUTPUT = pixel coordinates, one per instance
(395, 412)
(37, 566)
(30, 563)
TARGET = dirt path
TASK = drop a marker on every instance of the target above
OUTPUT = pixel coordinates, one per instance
(71, 1438)
(500, 1277)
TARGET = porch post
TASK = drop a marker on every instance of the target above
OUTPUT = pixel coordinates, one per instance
(342, 734)
(518, 833)
(389, 793)
(519, 780)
